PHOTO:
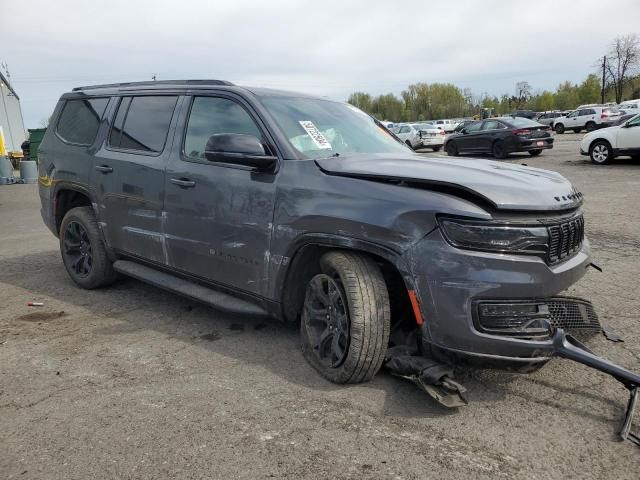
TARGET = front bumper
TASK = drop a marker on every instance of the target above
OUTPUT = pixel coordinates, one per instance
(449, 282)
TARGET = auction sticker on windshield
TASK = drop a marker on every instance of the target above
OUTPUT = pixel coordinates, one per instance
(315, 134)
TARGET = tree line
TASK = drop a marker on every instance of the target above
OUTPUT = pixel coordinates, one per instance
(423, 101)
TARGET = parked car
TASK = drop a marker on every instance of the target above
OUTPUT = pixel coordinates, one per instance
(408, 134)
(530, 114)
(500, 137)
(630, 106)
(264, 202)
(604, 145)
(547, 118)
(430, 136)
(589, 118)
(447, 125)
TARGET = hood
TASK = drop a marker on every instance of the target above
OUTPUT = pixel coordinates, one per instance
(504, 186)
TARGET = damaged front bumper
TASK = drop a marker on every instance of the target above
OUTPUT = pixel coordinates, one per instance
(485, 308)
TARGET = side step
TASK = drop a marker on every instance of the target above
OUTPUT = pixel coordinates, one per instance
(217, 299)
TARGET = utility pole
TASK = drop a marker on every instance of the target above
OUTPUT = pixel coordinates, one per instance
(604, 69)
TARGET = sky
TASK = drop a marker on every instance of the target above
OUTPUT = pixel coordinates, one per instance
(328, 48)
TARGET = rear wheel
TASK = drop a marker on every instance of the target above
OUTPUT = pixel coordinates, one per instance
(499, 150)
(83, 252)
(600, 152)
(591, 126)
(535, 153)
(559, 128)
(452, 149)
(344, 329)
(436, 149)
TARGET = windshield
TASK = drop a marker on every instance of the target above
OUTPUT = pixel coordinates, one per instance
(321, 128)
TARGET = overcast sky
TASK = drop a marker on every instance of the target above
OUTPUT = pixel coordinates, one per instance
(328, 47)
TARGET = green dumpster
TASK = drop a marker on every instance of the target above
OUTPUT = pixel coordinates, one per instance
(35, 137)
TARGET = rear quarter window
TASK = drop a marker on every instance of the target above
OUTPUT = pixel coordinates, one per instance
(79, 121)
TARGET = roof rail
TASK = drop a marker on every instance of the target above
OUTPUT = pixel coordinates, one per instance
(154, 82)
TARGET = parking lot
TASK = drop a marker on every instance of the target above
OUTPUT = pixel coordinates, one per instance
(133, 382)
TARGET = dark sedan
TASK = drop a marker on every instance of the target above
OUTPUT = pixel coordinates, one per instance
(500, 137)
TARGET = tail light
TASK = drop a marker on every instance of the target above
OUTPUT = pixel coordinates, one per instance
(442, 132)
(604, 115)
(523, 132)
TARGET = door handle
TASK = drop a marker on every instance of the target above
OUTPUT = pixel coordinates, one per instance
(183, 182)
(104, 168)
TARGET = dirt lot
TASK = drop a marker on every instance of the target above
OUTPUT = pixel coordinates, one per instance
(132, 382)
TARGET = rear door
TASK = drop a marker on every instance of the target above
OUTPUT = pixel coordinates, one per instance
(491, 130)
(218, 216)
(128, 175)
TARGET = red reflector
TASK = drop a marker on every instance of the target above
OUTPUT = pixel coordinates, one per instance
(416, 307)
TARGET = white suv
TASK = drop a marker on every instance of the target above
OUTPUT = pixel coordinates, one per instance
(606, 144)
(589, 118)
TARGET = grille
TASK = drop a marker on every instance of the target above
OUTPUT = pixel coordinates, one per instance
(525, 318)
(565, 239)
(572, 314)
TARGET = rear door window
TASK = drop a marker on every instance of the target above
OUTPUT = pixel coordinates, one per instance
(142, 123)
(80, 119)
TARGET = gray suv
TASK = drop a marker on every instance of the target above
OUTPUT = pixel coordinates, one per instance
(264, 202)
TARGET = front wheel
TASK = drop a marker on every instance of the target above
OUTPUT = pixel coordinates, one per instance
(83, 252)
(591, 126)
(344, 328)
(559, 128)
(600, 152)
(535, 153)
(452, 149)
(577, 130)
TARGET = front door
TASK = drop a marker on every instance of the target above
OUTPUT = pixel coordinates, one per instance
(128, 175)
(468, 141)
(629, 137)
(218, 216)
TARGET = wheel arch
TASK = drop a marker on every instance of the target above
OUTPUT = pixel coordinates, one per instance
(305, 263)
(67, 196)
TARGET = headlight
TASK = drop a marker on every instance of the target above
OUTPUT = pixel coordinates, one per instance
(495, 237)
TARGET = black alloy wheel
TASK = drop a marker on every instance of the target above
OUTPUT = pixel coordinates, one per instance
(326, 320)
(76, 249)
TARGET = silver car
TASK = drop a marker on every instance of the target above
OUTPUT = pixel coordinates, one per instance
(420, 135)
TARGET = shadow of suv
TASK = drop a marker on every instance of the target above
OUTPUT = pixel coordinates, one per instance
(265, 202)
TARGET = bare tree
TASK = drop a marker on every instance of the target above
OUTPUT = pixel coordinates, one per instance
(622, 62)
(523, 92)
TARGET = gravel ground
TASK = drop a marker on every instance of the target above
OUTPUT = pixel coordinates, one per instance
(132, 382)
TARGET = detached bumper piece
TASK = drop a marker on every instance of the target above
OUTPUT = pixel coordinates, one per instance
(433, 377)
(530, 318)
(566, 346)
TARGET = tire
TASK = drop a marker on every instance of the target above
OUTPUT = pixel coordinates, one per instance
(360, 317)
(590, 126)
(436, 149)
(600, 152)
(559, 128)
(577, 130)
(83, 253)
(535, 153)
(498, 150)
(452, 149)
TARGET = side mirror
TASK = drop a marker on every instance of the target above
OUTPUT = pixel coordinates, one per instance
(238, 149)
(463, 131)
